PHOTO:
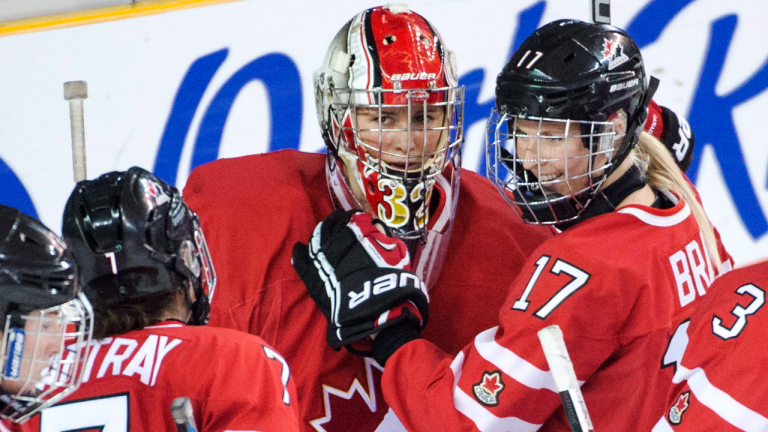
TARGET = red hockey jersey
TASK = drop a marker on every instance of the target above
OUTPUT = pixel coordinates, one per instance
(716, 385)
(615, 284)
(254, 208)
(234, 381)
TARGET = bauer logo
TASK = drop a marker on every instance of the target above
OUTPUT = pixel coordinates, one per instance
(625, 85)
(413, 76)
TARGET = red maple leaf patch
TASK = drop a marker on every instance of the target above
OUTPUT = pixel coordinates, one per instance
(491, 383)
(489, 388)
(677, 410)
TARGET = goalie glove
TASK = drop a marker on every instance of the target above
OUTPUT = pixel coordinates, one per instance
(673, 131)
(360, 279)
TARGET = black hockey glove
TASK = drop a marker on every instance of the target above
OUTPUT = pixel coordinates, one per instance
(360, 280)
(673, 131)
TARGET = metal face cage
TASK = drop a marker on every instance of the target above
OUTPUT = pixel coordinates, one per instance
(542, 175)
(43, 357)
(398, 180)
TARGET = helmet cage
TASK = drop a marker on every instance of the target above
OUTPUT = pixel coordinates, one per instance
(524, 190)
(398, 185)
(41, 380)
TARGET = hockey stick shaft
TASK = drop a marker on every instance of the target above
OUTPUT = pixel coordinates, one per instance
(567, 385)
(600, 11)
(181, 410)
(75, 92)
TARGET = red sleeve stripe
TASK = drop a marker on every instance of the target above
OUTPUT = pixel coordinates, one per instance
(480, 416)
(511, 364)
(720, 402)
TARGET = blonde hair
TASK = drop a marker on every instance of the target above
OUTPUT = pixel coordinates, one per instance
(652, 157)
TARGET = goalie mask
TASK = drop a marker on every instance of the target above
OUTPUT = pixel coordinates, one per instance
(48, 322)
(570, 105)
(391, 114)
(134, 238)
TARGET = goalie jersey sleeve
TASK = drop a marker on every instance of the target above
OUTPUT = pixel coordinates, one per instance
(614, 284)
(717, 384)
(235, 382)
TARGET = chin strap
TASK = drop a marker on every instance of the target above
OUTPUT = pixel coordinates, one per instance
(608, 198)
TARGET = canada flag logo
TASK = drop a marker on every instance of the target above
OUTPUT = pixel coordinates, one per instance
(613, 52)
(488, 389)
(677, 410)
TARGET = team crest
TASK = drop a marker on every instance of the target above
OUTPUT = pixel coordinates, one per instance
(153, 191)
(677, 410)
(488, 389)
(614, 52)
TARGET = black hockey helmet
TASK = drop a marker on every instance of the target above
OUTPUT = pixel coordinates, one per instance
(37, 271)
(575, 72)
(43, 308)
(133, 237)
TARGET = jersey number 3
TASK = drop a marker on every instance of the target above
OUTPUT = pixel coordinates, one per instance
(741, 313)
(579, 279)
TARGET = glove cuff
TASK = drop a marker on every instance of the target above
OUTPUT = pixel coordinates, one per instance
(392, 338)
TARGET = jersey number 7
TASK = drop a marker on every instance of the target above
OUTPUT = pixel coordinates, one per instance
(579, 279)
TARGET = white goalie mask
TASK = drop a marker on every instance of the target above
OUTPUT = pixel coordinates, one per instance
(391, 113)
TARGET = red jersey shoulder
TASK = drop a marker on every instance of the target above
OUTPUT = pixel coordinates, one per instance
(730, 326)
(253, 209)
(486, 215)
(237, 181)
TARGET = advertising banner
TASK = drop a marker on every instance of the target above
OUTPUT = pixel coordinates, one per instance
(171, 91)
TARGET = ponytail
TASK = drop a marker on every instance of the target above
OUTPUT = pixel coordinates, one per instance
(651, 156)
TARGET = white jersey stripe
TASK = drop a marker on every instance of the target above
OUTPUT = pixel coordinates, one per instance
(725, 406)
(172, 325)
(662, 426)
(511, 364)
(483, 419)
(659, 221)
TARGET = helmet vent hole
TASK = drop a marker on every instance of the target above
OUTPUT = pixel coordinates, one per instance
(389, 39)
(569, 57)
(425, 40)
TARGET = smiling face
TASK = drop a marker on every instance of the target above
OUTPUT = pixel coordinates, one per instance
(554, 155)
